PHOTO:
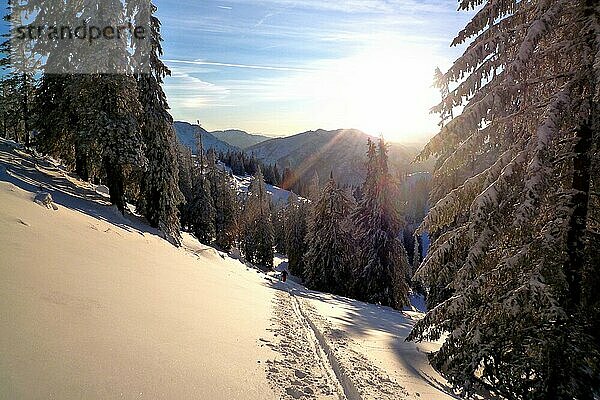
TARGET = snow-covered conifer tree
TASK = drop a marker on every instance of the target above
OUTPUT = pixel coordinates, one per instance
(201, 209)
(296, 226)
(159, 192)
(382, 267)
(327, 264)
(225, 203)
(257, 236)
(514, 244)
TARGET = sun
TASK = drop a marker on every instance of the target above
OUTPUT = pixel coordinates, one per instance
(384, 89)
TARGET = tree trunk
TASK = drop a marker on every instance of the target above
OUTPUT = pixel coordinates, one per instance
(578, 222)
(115, 183)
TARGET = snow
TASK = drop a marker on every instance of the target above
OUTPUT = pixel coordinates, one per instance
(95, 304)
(278, 196)
(92, 308)
(367, 344)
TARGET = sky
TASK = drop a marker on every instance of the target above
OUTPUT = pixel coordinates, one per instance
(281, 67)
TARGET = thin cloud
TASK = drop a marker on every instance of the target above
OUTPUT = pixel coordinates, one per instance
(247, 66)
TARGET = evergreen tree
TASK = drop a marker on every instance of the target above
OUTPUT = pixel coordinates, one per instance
(257, 237)
(225, 203)
(17, 81)
(296, 229)
(514, 238)
(159, 192)
(328, 259)
(380, 276)
(202, 211)
(279, 229)
(314, 188)
(95, 120)
(185, 175)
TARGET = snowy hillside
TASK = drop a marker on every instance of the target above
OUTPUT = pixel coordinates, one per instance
(186, 133)
(97, 305)
(278, 196)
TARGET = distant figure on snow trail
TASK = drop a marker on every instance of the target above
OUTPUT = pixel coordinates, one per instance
(284, 275)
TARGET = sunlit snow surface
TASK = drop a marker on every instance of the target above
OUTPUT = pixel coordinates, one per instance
(97, 305)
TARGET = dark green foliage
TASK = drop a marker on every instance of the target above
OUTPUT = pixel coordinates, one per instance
(279, 229)
(225, 202)
(202, 209)
(17, 89)
(109, 137)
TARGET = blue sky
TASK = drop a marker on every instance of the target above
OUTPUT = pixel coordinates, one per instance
(280, 67)
(286, 66)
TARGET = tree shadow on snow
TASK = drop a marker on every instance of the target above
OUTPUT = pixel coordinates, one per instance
(360, 320)
(34, 174)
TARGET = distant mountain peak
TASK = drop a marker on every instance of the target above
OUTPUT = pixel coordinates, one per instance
(239, 138)
(186, 133)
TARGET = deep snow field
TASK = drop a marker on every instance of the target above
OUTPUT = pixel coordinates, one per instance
(95, 305)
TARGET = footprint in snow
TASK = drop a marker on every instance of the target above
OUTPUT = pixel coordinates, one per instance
(22, 222)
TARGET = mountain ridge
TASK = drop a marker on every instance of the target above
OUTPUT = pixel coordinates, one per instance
(186, 135)
(341, 151)
(239, 138)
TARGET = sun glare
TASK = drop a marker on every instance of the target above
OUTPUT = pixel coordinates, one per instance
(385, 89)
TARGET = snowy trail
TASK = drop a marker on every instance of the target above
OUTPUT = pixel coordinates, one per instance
(347, 389)
(368, 346)
(301, 369)
(323, 354)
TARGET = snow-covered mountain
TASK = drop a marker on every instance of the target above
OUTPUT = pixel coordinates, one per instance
(342, 151)
(238, 138)
(186, 133)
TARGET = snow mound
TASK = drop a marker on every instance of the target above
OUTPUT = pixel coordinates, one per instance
(44, 199)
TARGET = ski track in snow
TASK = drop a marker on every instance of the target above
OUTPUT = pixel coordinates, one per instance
(317, 362)
(300, 371)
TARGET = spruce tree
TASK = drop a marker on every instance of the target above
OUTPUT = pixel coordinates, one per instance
(224, 199)
(515, 243)
(159, 192)
(18, 79)
(296, 227)
(380, 275)
(279, 228)
(202, 212)
(185, 175)
(314, 187)
(329, 256)
(257, 237)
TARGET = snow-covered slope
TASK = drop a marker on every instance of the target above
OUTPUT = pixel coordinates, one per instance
(186, 133)
(96, 305)
(278, 196)
(239, 138)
